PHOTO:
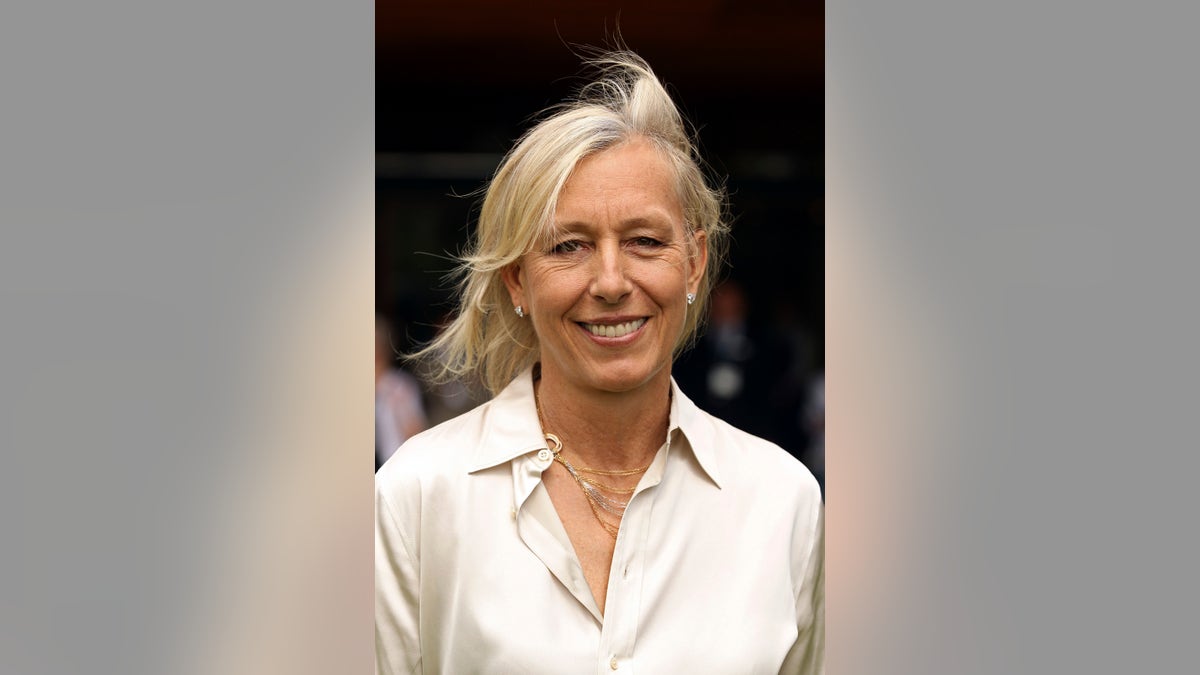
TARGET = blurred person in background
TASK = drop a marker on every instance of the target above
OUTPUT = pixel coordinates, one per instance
(735, 368)
(590, 517)
(399, 412)
(448, 399)
(750, 371)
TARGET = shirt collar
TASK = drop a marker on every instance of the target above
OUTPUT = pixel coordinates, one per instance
(512, 428)
(692, 423)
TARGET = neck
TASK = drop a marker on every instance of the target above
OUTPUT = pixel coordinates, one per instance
(603, 429)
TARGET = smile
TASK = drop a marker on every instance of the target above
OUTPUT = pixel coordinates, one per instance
(614, 330)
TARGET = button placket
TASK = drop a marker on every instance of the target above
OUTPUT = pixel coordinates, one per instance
(620, 624)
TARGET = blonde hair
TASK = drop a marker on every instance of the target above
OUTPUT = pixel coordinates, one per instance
(487, 340)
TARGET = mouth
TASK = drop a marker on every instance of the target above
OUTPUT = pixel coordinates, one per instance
(613, 330)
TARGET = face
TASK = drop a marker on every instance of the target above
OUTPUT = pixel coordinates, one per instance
(607, 296)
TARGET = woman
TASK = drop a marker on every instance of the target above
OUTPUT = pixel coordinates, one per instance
(590, 518)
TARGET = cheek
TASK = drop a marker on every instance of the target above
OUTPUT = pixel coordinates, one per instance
(555, 289)
(665, 281)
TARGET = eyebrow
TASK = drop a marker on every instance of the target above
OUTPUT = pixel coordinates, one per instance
(656, 221)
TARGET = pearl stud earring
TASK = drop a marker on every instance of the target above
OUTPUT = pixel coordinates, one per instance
(691, 297)
(520, 312)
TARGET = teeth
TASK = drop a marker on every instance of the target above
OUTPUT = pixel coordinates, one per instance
(614, 331)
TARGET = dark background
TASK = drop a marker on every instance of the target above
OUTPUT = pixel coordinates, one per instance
(458, 82)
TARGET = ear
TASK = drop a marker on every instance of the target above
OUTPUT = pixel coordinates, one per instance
(514, 280)
(698, 261)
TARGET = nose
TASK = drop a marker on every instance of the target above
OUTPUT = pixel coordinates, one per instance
(610, 277)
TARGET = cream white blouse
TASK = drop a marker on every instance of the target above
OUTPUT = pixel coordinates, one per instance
(718, 567)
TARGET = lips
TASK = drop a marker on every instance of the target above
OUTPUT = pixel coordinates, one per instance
(614, 330)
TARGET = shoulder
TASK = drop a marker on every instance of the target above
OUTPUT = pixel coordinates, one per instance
(482, 437)
(439, 449)
(748, 462)
(424, 477)
(430, 464)
(776, 499)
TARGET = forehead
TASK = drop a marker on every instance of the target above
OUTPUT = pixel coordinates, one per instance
(633, 180)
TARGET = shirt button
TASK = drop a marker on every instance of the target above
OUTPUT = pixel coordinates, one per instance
(612, 663)
(544, 455)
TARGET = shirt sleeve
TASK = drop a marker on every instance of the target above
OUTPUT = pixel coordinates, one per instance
(397, 605)
(807, 655)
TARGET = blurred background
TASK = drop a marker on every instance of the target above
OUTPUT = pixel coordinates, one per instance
(458, 82)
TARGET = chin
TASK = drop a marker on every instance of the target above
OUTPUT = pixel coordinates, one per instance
(626, 377)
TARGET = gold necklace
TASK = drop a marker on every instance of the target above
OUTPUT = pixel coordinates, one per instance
(593, 490)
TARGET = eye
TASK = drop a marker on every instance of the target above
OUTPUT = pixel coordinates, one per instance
(649, 242)
(565, 247)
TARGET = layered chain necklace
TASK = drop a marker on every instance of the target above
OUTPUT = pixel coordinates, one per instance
(609, 500)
